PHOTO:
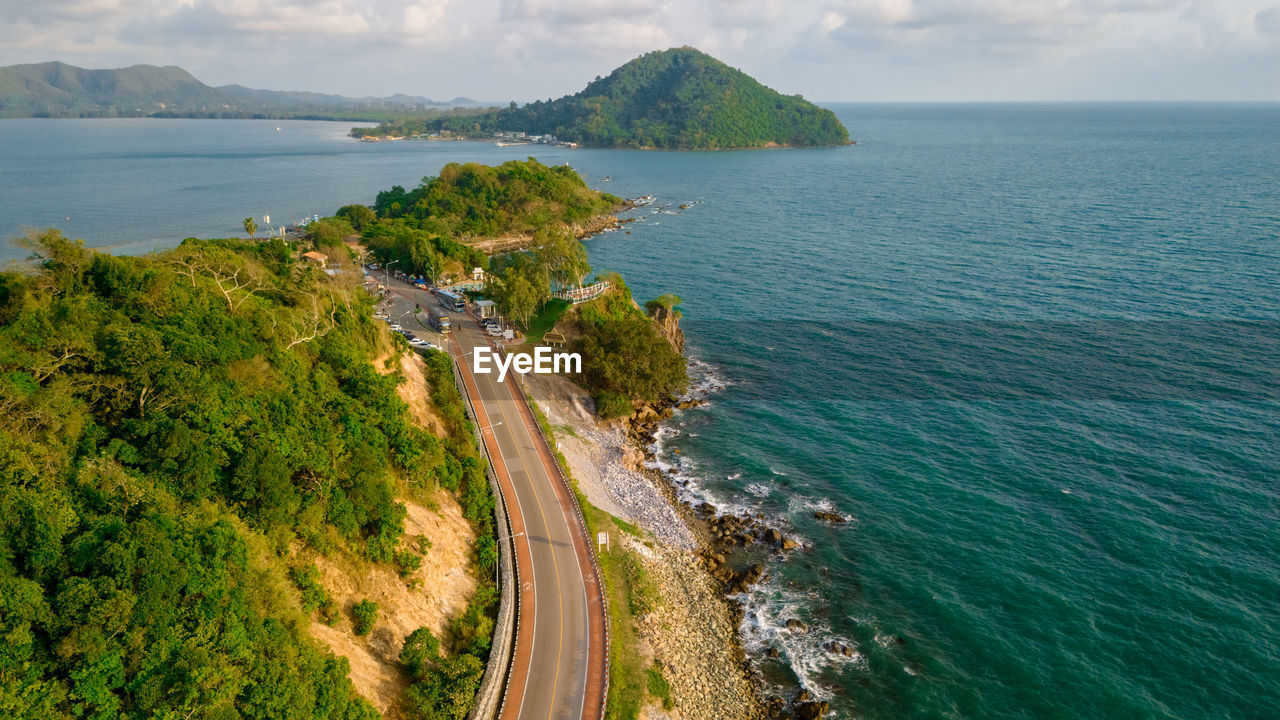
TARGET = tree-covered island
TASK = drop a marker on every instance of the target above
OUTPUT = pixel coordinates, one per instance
(675, 99)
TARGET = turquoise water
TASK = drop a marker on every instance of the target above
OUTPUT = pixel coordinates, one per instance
(1031, 352)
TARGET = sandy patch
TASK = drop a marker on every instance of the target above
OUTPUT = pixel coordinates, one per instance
(415, 391)
(438, 590)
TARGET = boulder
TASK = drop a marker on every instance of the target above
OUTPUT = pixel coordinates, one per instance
(789, 544)
(834, 518)
(796, 627)
(745, 579)
(773, 537)
(811, 710)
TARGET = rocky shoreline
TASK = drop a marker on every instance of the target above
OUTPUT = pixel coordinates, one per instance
(721, 536)
(701, 560)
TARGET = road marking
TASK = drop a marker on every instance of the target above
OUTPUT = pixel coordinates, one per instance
(555, 679)
(554, 561)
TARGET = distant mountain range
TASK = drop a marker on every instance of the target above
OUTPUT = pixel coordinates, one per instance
(55, 89)
(679, 98)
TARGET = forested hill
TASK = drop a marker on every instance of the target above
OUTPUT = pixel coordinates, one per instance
(177, 433)
(55, 89)
(678, 98)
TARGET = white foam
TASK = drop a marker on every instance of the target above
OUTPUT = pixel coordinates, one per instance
(765, 612)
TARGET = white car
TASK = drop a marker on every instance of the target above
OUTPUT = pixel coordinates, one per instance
(418, 342)
(395, 327)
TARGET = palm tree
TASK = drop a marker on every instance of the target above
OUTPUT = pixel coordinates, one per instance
(250, 227)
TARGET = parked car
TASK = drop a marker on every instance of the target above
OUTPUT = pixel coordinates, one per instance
(493, 330)
(418, 342)
(395, 327)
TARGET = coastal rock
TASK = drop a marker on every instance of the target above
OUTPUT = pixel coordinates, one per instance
(811, 710)
(773, 652)
(834, 518)
(796, 627)
(773, 537)
(668, 319)
(742, 581)
(789, 544)
(838, 648)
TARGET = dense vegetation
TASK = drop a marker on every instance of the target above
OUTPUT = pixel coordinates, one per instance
(425, 228)
(626, 360)
(521, 282)
(678, 98)
(172, 428)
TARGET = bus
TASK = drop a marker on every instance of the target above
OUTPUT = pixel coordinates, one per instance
(440, 321)
(451, 301)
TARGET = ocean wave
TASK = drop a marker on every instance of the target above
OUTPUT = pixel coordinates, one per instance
(764, 626)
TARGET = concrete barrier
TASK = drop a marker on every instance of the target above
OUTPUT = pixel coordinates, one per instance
(493, 686)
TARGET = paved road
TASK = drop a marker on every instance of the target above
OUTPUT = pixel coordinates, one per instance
(559, 665)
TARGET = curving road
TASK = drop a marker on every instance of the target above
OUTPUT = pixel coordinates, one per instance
(558, 668)
(559, 664)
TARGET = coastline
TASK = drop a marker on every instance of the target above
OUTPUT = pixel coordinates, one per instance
(691, 627)
(700, 558)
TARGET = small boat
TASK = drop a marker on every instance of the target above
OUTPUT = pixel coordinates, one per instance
(642, 200)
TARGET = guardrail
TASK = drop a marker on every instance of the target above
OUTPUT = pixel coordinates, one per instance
(583, 294)
(548, 443)
(489, 701)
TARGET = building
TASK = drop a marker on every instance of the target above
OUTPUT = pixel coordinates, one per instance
(486, 308)
(315, 257)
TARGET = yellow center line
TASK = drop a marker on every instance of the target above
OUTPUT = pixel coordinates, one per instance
(555, 681)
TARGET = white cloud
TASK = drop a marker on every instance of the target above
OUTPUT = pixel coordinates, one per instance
(855, 49)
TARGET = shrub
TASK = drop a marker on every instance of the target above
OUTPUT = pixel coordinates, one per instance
(421, 649)
(364, 616)
(407, 562)
(610, 405)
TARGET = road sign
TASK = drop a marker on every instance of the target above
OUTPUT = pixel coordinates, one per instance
(602, 540)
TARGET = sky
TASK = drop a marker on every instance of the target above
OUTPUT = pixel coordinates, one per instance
(827, 50)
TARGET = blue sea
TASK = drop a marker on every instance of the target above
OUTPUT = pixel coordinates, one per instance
(1030, 353)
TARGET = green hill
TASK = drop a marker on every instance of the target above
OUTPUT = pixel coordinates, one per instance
(678, 98)
(55, 89)
(181, 433)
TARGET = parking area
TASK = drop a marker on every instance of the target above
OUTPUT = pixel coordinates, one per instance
(407, 308)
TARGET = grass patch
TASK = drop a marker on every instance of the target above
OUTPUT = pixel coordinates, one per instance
(546, 318)
(659, 687)
(629, 591)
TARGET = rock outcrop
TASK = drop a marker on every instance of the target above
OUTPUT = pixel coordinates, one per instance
(668, 318)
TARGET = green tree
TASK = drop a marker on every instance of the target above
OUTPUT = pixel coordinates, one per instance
(521, 299)
(364, 615)
(250, 227)
(360, 216)
(561, 256)
(420, 650)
